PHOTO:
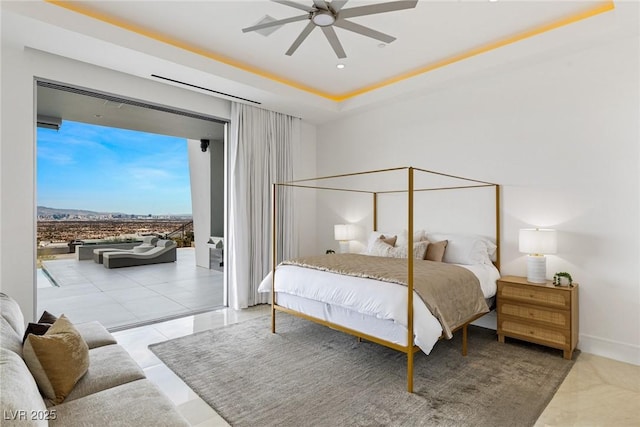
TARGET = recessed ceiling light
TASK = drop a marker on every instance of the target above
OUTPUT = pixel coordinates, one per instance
(340, 66)
(382, 45)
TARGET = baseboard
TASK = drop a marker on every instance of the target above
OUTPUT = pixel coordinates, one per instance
(610, 349)
(616, 350)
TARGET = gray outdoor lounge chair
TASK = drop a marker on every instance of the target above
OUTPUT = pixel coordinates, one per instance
(148, 243)
(164, 251)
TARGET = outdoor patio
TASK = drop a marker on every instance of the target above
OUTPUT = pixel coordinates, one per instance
(127, 296)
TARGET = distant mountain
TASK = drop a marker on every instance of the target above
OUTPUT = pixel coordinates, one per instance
(45, 211)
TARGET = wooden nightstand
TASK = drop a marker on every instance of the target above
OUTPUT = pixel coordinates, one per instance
(538, 312)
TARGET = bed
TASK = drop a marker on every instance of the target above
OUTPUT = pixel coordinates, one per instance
(405, 303)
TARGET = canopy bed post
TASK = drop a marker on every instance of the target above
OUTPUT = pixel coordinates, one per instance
(497, 263)
(464, 339)
(410, 336)
(274, 262)
(375, 211)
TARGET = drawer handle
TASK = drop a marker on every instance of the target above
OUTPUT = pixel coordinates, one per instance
(532, 314)
(531, 295)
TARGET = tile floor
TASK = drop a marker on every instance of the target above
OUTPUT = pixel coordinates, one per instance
(128, 296)
(597, 391)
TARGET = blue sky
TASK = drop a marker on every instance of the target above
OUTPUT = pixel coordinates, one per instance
(112, 170)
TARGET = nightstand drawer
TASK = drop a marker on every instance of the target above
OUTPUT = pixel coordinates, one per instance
(535, 295)
(535, 333)
(551, 317)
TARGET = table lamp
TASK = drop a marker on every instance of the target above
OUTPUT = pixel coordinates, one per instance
(536, 242)
(343, 233)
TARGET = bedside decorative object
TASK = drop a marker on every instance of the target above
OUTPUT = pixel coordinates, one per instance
(330, 251)
(343, 233)
(537, 242)
(539, 313)
(562, 279)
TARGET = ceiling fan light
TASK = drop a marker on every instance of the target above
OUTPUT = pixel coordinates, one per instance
(323, 18)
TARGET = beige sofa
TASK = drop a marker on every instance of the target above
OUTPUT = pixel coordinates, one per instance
(113, 391)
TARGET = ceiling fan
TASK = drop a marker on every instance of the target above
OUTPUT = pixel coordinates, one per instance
(327, 14)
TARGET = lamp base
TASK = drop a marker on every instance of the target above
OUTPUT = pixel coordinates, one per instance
(536, 269)
(344, 246)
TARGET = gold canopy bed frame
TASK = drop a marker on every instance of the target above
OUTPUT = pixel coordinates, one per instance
(410, 348)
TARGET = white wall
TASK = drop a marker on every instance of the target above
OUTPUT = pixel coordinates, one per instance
(17, 151)
(561, 136)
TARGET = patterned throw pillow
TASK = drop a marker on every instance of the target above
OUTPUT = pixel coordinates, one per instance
(380, 248)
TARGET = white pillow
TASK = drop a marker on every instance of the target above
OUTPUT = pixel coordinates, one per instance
(418, 236)
(380, 248)
(465, 249)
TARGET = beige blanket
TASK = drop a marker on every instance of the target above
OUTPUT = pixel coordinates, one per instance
(452, 293)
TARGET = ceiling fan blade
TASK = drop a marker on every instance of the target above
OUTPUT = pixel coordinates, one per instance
(377, 8)
(275, 23)
(337, 5)
(294, 4)
(303, 35)
(331, 35)
(320, 4)
(365, 31)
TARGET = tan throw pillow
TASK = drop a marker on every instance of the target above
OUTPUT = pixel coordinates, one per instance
(57, 359)
(389, 240)
(435, 251)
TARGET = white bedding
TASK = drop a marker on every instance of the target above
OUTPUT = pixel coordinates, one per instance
(368, 297)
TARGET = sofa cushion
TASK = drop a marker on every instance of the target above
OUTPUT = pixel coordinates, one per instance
(138, 403)
(110, 366)
(9, 338)
(20, 399)
(95, 335)
(10, 311)
(57, 359)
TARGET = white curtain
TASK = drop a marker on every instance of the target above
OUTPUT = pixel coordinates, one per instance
(260, 154)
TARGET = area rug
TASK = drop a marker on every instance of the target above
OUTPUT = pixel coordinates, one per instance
(310, 375)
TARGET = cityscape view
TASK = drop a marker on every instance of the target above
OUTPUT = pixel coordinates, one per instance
(97, 182)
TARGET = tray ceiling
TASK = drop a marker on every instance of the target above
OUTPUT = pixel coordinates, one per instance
(429, 36)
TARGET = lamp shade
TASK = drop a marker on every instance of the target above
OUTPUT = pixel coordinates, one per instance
(344, 232)
(538, 241)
